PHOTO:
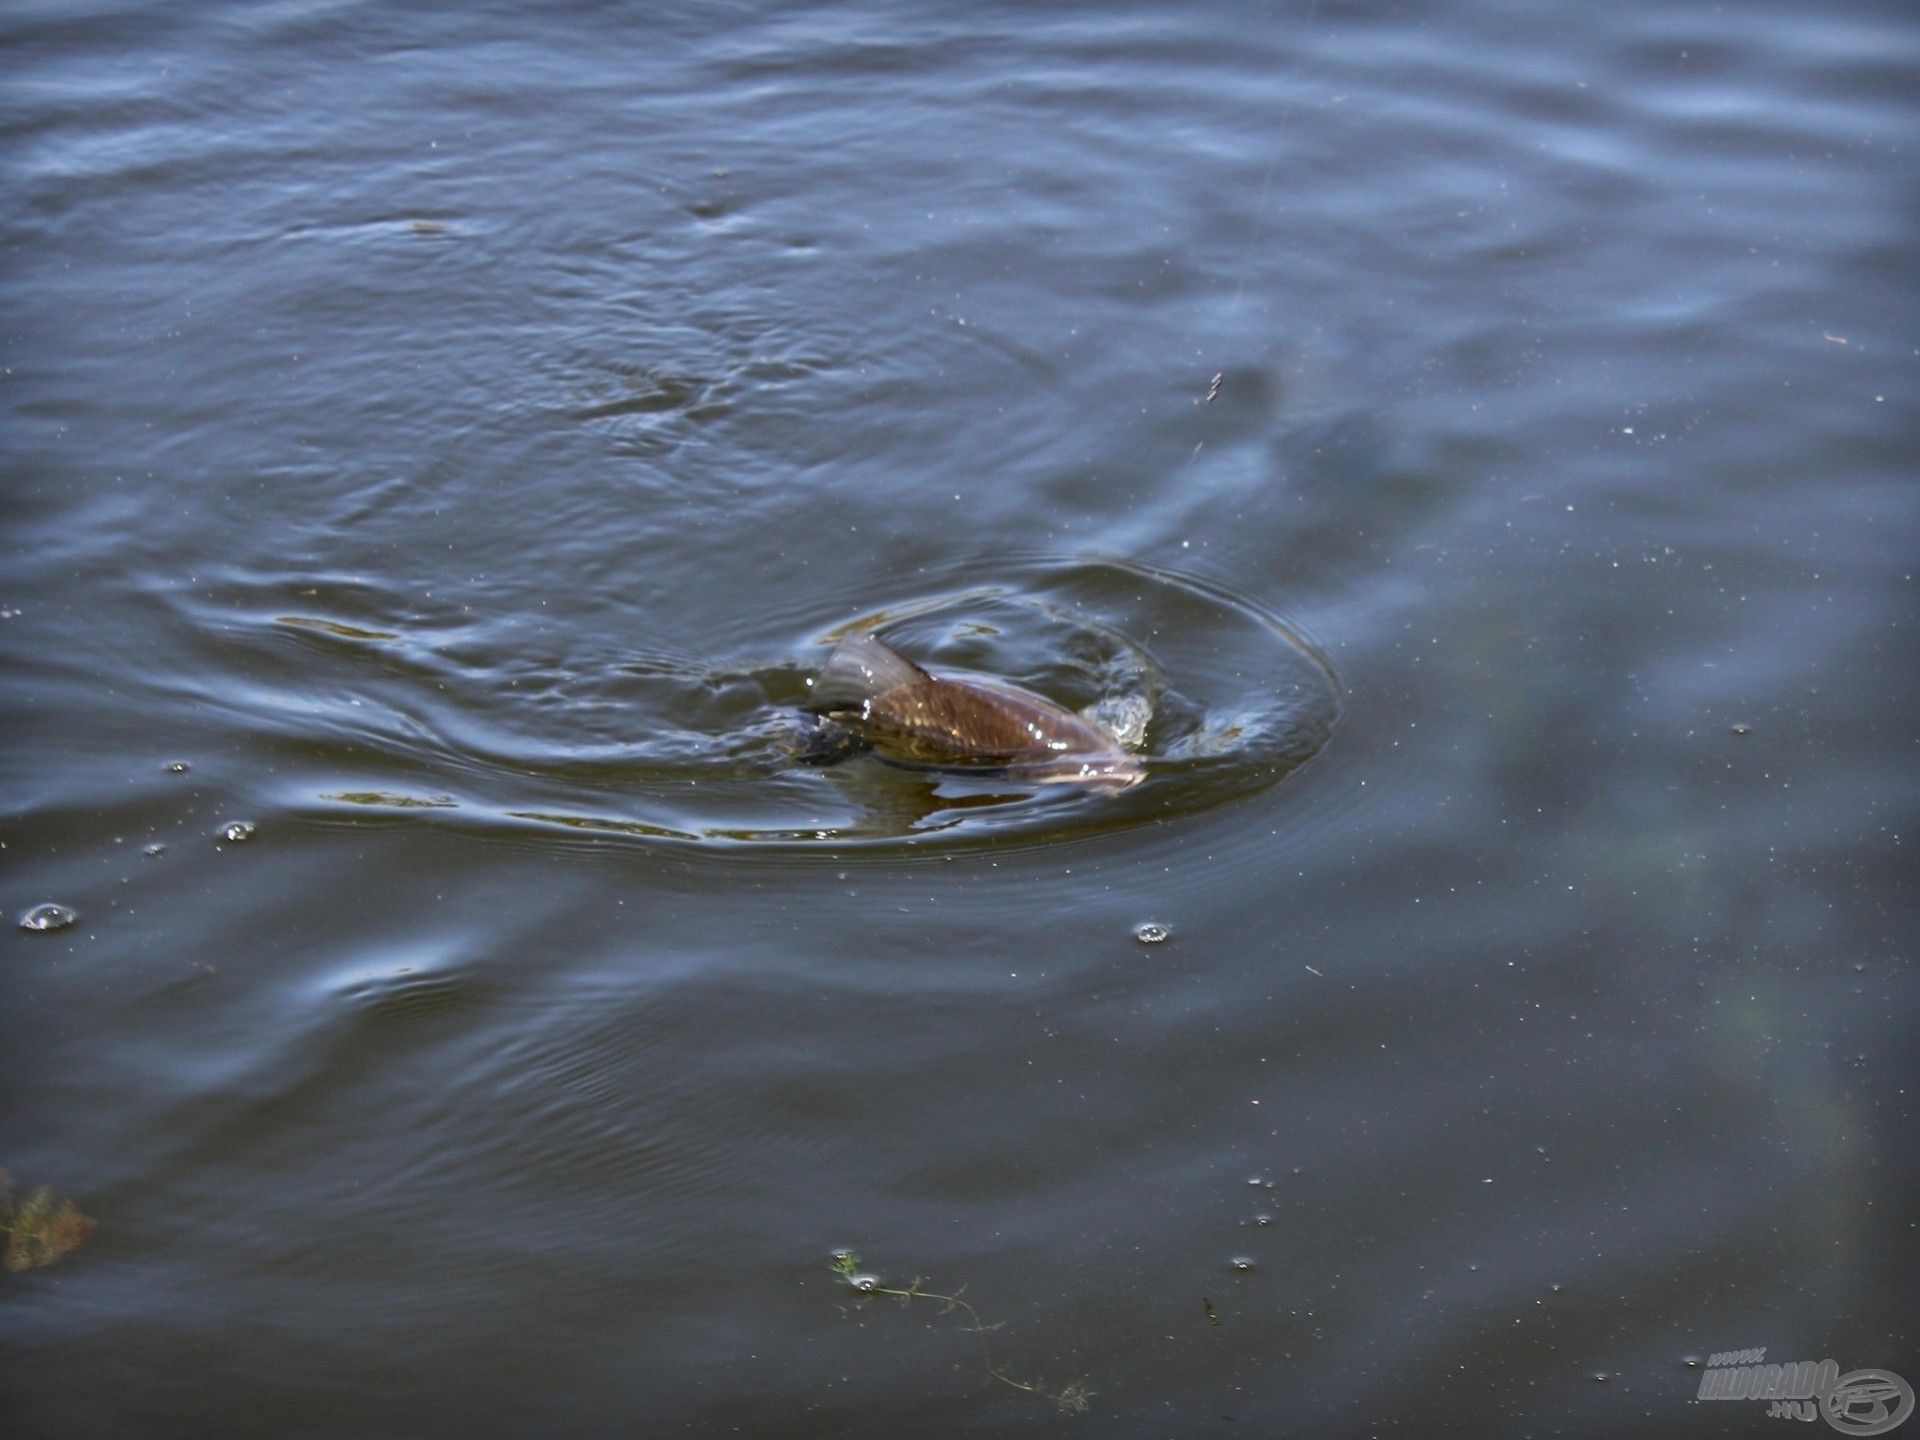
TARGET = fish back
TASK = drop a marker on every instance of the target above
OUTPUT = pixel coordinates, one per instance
(910, 715)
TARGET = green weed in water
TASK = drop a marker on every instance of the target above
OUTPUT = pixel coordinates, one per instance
(1072, 1400)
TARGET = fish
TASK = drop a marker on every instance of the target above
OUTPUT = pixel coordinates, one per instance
(871, 696)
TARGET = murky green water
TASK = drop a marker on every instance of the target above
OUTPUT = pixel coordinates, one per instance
(440, 446)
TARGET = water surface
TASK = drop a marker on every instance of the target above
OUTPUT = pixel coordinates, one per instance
(444, 442)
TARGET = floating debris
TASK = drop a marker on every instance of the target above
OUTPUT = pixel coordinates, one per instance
(392, 798)
(1071, 1400)
(39, 1229)
(334, 627)
(49, 917)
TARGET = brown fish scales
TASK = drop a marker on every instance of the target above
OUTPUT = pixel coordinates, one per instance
(915, 718)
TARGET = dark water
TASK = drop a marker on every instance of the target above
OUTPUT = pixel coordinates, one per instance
(451, 436)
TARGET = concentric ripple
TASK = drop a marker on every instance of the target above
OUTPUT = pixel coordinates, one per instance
(1231, 698)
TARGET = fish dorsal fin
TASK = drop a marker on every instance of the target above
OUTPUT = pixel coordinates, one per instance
(862, 668)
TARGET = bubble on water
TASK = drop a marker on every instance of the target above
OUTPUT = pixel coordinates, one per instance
(1243, 1264)
(237, 830)
(865, 1284)
(1263, 1219)
(158, 847)
(1148, 932)
(1741, 729)
(178, 767)
(48, 917)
